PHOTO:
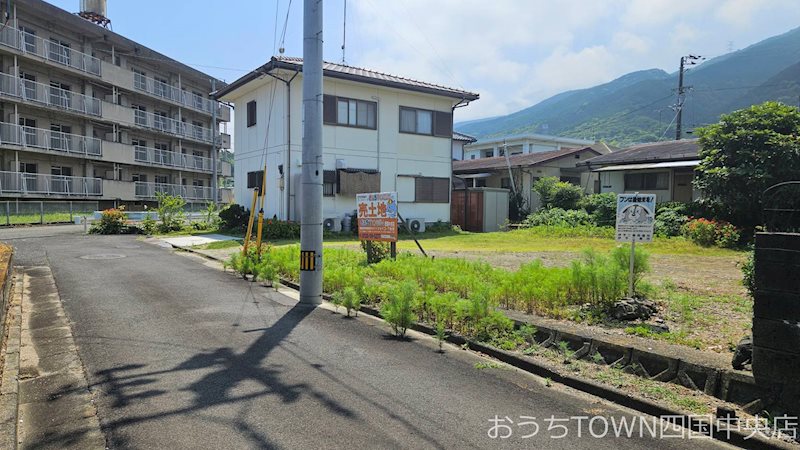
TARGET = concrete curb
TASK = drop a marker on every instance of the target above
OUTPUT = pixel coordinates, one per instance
(9, 386)
(690, 421)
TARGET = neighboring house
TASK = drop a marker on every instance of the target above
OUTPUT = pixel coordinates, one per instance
(88, 114)
(381, 133)
(520, 145)
(526, 169)
(662, 168)
(459, 141)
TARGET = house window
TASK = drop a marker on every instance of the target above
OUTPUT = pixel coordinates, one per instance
(480, 182)
(329, 183)
(251, 113)
(488, 153)
(505, 183)
(471, 156)
(650, 181)
(431, 190)
(349, 112)
(422, 121)
(254, 179)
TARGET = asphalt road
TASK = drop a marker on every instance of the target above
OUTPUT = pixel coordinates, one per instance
(181, 355)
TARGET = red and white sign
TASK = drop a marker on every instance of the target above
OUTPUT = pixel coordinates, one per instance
(377, 216)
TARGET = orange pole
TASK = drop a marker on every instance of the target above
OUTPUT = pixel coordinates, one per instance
(250, 223)
(261, 212)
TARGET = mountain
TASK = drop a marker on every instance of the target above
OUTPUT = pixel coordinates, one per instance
(637, 106)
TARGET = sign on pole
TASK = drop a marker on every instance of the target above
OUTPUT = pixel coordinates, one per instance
(377, 216)
(636, 214)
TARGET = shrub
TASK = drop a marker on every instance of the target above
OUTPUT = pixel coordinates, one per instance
(211, 215)
(602, 208)
(149, 224)
(557, 194)
(711, 232)
(349, 299)
(517, 207)
(748, 274)
(234, 217)
(669, 222)
(280, 229)
(641, 261)
(397, 309)
(558, 217)
(376, 251)
(170, 212)
(112, 221)
(265, 270)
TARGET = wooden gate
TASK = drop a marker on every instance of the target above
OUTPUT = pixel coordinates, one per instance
(466, 210)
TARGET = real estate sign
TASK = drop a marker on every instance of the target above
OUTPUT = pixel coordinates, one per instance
(636, 214)
(377, 216)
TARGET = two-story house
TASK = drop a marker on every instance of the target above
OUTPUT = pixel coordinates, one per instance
(381, 133)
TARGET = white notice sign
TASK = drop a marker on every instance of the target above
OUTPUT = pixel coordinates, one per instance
(636, 214)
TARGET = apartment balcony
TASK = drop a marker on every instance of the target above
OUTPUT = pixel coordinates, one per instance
(176, 160)
(48, 140)
(46, 95)
(196, 193)
(171, 93)
(30, 44)
(168, 125)
(34, 184)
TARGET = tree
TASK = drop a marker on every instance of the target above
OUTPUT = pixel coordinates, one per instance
(557, 194)
(748, 151)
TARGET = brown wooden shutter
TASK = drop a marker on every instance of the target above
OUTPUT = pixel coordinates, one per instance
(422, 190)
(443, 124)
(358, 182)
(329, 108)
(440, 190)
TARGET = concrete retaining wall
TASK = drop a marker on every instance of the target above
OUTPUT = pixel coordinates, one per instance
(776, 319)
(5, 284)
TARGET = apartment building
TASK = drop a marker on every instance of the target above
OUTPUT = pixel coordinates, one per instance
(87, 114)
(381, 133)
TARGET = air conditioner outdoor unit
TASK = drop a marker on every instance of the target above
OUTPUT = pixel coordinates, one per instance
(333, 224)
(417, 225)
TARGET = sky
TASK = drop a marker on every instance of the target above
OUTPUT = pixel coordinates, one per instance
(514, 53)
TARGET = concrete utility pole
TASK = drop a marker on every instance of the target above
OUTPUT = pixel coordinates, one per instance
(215, 137)
(311, 190)
(685, 60)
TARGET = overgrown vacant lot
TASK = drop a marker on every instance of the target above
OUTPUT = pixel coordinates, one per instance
(699, 289)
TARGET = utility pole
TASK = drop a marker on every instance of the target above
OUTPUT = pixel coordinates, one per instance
(311, 178)
(685, 60)
(215, 137)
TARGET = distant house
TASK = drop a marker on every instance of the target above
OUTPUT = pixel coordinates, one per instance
(381, 133)
(520, 145)
(662, 168)
(459, 141)
(526, 168)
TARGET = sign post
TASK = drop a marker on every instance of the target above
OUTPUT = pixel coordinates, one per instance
(377, 216)
(636, 214)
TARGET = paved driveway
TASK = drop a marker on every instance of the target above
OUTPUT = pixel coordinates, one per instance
(181, 355)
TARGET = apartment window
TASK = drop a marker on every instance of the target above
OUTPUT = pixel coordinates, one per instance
(647, 181)
(59, 51)
(161, 153)
(29, 85)
(197, 100)
(160, 120)
(349, 112)
(329, 183)
(60, 95)
(140, 115)
(197, 183)
(488, 153)
(28, 167)
(431, 190)
(28, 131)
(161, 179)
(197, 158)
(61, 171)
(139, 177)
(251, 113)
(30, 179)
(422, 121)
(138, 142)
(160, 87)
(197, 129)
(139, 150)
(59, 139)
(28, 40)
(139, 79)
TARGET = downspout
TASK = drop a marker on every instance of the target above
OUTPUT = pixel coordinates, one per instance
(460, 103)
(288, 163)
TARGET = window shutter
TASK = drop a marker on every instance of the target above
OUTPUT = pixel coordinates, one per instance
(329, 109)
(441, 190)
(443, 124)
(422, 190)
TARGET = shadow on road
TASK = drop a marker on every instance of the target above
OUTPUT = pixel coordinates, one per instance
(229, 369)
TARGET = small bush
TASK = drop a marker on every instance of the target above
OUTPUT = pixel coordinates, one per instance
(170, 212)
(112, 221)
(234, 217)
(280, 229)
(149, 225)
(748, 274)
(557, 194)
(669, 222)
(397, 310)
(376, 251)
(349, 299)
(711, 232)
(557, 217)
(602, 208)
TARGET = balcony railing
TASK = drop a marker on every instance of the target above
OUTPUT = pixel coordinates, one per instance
(171, 159)
(39, 184)
(30, 137)
(169, 125)
(49, 50)
(148, 190)
(172, 93)
(49, 95)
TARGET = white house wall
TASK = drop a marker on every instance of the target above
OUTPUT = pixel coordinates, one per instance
(397, 156)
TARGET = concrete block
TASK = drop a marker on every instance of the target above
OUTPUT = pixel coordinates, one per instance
(778, 305)
(775, 366)
(698, 377)
(612, 354)
(789, 241)
(782, 335)
(777, 273)
(742, 389)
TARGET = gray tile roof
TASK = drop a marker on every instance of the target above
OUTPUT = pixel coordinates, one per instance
(463, 137)
(682, 150)
(524, 160)
(342, 71)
